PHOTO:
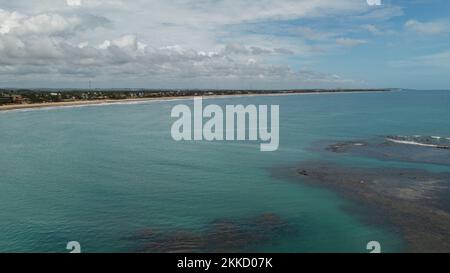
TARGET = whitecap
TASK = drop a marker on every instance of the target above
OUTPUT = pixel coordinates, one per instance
(407, 142)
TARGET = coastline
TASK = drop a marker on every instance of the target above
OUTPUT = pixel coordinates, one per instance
(77, 103)
(11, 107)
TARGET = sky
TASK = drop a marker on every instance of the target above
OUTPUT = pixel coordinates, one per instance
(222, 44)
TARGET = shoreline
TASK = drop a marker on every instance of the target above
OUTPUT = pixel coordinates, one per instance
(12, 107)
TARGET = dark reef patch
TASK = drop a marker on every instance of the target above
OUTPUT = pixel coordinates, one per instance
(409, 199)
(412, 202)
(220, 236)
(416, 149)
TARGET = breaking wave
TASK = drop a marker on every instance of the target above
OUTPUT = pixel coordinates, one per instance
(424, 141)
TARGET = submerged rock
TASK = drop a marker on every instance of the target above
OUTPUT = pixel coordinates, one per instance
(414, 201)
(222, 235)
(417, 149)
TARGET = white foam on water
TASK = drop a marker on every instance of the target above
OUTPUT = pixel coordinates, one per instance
(408, 142)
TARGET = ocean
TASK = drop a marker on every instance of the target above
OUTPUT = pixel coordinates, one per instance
(112, 178)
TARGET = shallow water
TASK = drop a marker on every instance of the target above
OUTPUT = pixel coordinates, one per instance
(100, 175)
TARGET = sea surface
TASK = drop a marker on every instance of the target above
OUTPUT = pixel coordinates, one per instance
(112, 178)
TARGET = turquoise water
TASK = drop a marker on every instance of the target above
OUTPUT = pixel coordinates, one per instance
(99, 174)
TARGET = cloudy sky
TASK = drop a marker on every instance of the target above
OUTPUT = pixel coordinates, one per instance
(225, 43)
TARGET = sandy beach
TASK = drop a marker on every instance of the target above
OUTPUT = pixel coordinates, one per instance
(79, 103)
(9, 107)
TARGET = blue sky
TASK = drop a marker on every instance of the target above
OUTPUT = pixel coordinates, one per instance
(225, 43)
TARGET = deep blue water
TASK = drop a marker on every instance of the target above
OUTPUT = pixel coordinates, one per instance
(102, 174)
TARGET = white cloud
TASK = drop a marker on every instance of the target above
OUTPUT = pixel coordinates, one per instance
(372, 29)
(382, 13)
(127, 58)
(314, 34)
(428, 28)
(159, 38)
(350, 42)
(73, 2)
(439, 60)
(255, 50)
(9, 21)
(15, 23)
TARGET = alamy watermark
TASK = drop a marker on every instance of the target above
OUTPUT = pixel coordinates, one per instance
(74, 247)
(374, 247)
(234, 123)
